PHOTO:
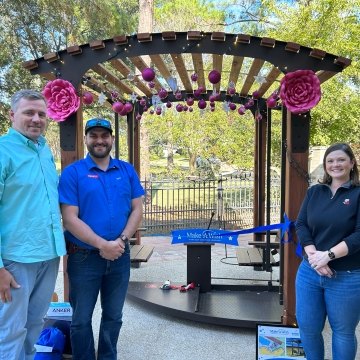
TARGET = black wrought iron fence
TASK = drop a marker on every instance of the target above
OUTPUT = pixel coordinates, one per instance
(226, 203)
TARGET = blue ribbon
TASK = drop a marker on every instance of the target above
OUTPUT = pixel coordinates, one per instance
(230, 237)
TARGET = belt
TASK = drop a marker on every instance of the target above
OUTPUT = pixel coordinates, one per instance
(72, 248)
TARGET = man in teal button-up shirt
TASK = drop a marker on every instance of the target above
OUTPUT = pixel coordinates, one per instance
(31, 236)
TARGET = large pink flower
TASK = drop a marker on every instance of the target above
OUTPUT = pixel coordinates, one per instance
(300, 91)
(61, 98)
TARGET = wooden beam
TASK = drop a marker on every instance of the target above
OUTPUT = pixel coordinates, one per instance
(181, 69)
(199, 68)
(235, 69)
(217, 65)
(295, 189)
(254, 70)
(111, 78)
(270, 79)
(141, 65)
(123, 69)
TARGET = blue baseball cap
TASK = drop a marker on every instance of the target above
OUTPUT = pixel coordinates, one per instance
(103, 123)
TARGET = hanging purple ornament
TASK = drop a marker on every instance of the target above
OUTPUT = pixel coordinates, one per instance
(191, 109)
(88, 98)
(231, 91)
(151, 84)
(169, 104)
(162, 93)
(232, 106)
(151, 112)
(202, 104)
(185, 108)
(148, 74)
(212, 98)
(123, 112)
(117, 107)
(190, 101)
(256, 94)
(138, 117)
(114, 94)
(142, 102)
(258, 116)
(178, 95)
(128, 107)
(214, 76)
(179, 108)
(158, 111)
(241, 110)
(194, 77)
(271, 102)
(197, 93)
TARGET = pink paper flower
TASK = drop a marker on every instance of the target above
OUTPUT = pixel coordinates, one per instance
(61, 98)
(300, 91)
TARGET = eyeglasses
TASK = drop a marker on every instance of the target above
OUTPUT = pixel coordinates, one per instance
(98, 122)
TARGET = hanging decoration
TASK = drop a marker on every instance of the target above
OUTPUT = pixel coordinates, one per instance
(62, 99)
(117, 107)
(194, 77)
(300, 91)
(231, 88)
(214, 76)
(162, 93)
(87, 98)
(148, 74)
(172, 82)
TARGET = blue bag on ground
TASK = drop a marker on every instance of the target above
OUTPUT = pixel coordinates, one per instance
(52, 337)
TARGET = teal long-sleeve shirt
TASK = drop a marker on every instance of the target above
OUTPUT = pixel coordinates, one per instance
(30, 222)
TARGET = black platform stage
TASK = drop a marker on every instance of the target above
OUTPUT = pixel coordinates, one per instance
(239, 306)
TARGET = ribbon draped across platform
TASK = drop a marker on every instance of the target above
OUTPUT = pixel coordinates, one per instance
(229, 237)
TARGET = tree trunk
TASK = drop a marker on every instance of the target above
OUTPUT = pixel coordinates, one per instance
(146, 19)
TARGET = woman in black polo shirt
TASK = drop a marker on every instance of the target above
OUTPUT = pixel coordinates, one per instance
(328, 279)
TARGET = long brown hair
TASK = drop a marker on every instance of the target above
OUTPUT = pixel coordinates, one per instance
(354, 173)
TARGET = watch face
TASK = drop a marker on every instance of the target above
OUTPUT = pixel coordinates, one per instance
(331, 255)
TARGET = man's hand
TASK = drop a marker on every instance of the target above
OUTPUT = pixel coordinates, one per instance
(112, 250)
(7, 281)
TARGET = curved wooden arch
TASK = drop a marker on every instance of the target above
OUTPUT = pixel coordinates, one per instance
(255, 64)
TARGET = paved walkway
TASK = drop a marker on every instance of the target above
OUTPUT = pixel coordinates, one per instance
(155, 336)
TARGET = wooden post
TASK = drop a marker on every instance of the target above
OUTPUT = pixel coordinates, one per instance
(259, 175)
(297, 152)
(72, 149)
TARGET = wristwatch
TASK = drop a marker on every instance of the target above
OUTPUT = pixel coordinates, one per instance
(331, 255)
(124, 238)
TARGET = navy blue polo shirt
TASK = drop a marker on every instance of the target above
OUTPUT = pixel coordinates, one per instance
(103, 197)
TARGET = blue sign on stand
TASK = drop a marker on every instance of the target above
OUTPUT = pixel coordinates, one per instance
(204, 236)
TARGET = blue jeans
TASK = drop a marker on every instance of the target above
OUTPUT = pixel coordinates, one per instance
(21, 320)
(338, 298)
(90, 274)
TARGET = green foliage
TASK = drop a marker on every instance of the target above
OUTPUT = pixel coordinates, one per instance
(184, 15)
(228, 137)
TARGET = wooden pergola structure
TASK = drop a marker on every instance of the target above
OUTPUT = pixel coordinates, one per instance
(250, 63)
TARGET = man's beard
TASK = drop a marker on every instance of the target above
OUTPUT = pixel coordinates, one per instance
(98, 155)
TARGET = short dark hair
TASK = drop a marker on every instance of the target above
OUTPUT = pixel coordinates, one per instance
(25, 94)
(354, 173)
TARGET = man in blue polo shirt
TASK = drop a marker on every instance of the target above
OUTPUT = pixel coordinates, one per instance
(31, 234)
(101, 204)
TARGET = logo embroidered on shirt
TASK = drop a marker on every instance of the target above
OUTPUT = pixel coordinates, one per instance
(346, 202)
(93, 176)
